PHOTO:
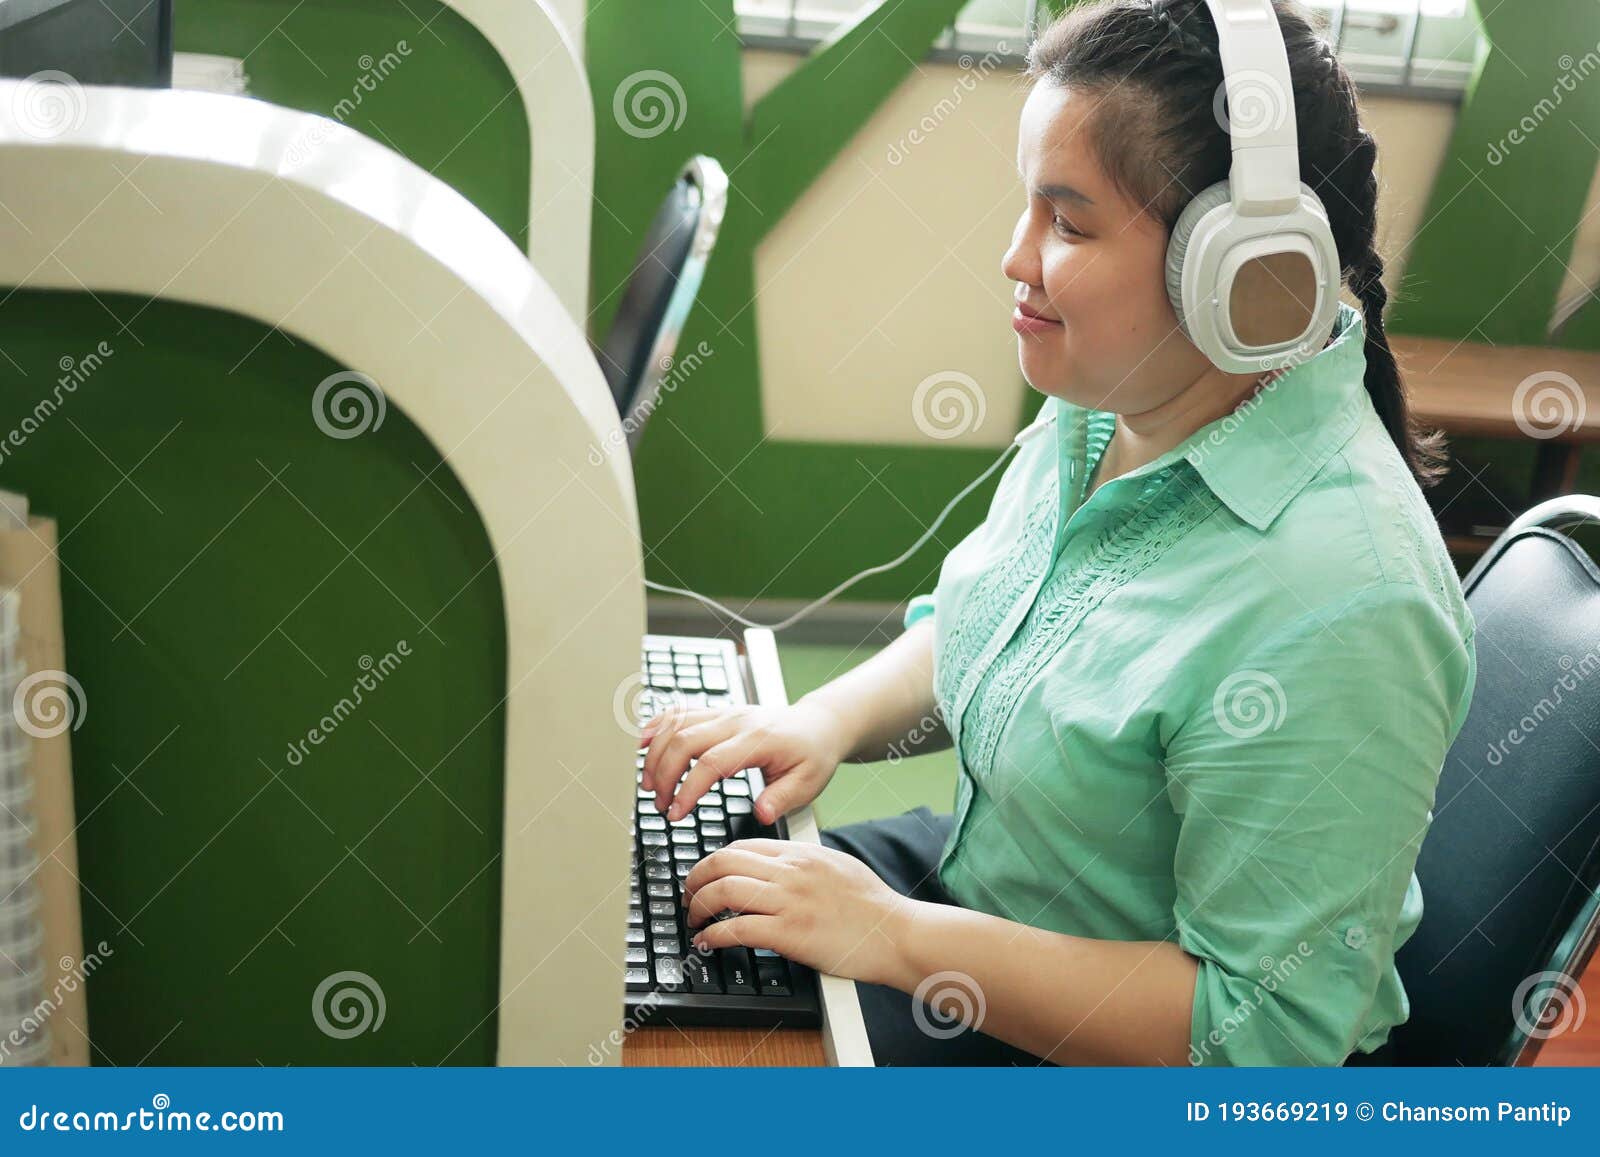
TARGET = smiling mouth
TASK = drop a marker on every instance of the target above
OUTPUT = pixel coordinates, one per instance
(1024, 320)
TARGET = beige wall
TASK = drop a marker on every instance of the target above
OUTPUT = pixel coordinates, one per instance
(887, 270)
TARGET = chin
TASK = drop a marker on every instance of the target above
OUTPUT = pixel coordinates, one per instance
(1048, 371)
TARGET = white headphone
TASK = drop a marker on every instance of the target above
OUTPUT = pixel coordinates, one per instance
(1262, 209)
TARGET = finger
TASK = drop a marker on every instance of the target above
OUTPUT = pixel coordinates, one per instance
(669, 711)
(689, 744)
(740, 894)
(781, 796)
(676, 719)
(732, 860)
(756, 931)
(714, 763)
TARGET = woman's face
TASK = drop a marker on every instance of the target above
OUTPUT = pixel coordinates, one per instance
(1090, 266)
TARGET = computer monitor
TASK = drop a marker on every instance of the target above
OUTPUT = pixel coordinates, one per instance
(638, 351)
(120, 42)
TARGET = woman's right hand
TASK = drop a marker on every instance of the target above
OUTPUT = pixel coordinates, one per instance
(797, 748)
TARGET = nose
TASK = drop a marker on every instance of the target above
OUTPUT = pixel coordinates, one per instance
(1021, 259)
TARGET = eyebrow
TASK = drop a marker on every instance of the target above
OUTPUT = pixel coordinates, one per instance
(1065, 193)
(1059, 192)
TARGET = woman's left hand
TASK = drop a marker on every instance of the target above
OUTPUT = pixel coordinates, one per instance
(811, 904)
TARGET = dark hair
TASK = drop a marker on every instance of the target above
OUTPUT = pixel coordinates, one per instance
(1156, 71)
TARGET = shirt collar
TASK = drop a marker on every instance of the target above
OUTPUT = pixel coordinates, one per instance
(1259, 456)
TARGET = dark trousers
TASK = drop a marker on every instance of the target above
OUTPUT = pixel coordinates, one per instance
(904, 851)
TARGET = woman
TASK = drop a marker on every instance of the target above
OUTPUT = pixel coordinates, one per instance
(1202, 661)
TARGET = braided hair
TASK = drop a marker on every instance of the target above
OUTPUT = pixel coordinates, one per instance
(1154, 70)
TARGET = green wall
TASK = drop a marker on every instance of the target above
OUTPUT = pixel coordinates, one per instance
(229, 575)
(450, 103)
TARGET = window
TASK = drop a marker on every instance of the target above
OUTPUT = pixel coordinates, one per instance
(1422, 48)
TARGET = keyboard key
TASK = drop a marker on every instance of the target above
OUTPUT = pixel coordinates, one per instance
(738, 972)
(661, 891)
(773, 977)
(735, 787)
(636, 936)
(666, 946)
(686, 853)
(738, 806)
(713, 831)
(664, 927)
(653, 823)
(697, 646)
(766, 953)
(713, 680)
(635, 916)
(712, 845)
(687, 821)
(638, 956)
(654, 839)
(638, 979)
(705, 975)
(685, 836)
(669, 972)
(654, 871)
(682, 869)
(663, 908)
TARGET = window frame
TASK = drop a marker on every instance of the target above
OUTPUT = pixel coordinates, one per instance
(783, 26)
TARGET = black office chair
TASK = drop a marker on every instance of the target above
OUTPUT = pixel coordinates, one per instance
(1510, 866)
(636, 354)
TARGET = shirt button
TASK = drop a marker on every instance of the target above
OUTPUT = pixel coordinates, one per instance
(1355, 936)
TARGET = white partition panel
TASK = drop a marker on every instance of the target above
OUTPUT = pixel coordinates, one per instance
(195, 198)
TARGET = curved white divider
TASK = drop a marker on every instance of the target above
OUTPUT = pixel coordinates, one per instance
(194, 197)
(547, 66)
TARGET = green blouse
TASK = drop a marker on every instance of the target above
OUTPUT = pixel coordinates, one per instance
(1211, 704)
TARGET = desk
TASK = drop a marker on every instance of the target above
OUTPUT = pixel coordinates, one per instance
(1548, 396)
(739, 1047)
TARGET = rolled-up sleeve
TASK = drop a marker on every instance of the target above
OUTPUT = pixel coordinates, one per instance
(1303, 790)
(920, 608)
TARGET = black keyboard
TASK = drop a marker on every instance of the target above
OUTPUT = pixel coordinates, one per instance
(667, 981)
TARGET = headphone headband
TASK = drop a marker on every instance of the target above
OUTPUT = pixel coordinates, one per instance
(1265, 178)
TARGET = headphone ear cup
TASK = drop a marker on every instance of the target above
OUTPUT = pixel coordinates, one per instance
(1205, 201)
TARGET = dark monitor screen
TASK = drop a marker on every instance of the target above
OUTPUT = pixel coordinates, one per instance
(125, 42)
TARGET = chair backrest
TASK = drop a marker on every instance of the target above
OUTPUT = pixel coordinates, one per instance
(637, 352)
(1510, 864)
